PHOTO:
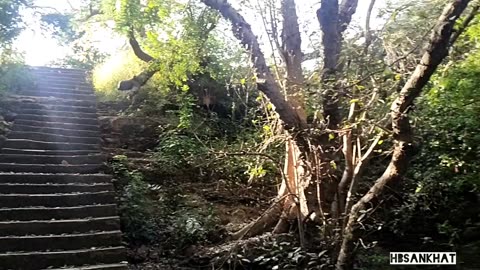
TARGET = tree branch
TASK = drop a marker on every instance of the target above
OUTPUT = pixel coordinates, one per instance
(266, 81)
(368, 34)
(465, 23)
(346, 11)
(137, 50)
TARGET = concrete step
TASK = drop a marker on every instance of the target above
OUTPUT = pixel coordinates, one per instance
(43, 101)
(61, 88)
(8, 188)
(56, 71)
(62, 131)
(47, 227)
(39, 152)
(59, 242)
(118, 266)
(82, 87)
(50, 213)
(52, 168)
(40, 178)
(60, 125)
(69, 78)
(55, 200)
(41, 260)
(55, 118)
(36, 145)
(57, 107)
(63, 95)
(48, 137)
(58, 113)
(39, 159)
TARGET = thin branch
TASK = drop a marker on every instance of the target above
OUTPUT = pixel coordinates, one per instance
(368, 34)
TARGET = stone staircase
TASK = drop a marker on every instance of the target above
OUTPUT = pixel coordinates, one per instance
(57, 208)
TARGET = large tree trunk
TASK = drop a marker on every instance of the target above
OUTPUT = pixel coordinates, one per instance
(290, 202)
(436, 51)
(334, 20)
(307, 171)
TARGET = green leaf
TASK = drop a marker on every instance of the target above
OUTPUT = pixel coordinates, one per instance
(354, 100)
(333, 165)
(331, 136)
(185, 88)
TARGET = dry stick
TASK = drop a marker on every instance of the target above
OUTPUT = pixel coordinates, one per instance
(317, 173)
(356, 175)
(274, 204)
(299, 204)
(277, 164)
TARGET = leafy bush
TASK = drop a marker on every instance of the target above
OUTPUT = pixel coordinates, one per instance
(153, 215)
(13, 74)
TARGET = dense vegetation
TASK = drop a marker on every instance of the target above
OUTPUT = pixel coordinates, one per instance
(344, 142)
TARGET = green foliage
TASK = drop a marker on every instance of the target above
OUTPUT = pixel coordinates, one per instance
(13, 73)
(151, 215)
(213, 154)
(10, 20)
(177, 151)
(445, 176)
(61, 26)
(278, 252)
(136, 207)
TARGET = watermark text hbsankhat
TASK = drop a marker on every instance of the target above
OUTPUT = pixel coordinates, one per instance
(423, 258)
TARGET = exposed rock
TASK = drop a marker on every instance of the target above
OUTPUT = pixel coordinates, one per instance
(127, 132)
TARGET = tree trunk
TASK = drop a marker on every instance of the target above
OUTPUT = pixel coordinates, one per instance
(292, 53)
(308, 183)
(436, 51)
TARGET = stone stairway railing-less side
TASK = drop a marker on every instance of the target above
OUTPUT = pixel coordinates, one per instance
(57, 208)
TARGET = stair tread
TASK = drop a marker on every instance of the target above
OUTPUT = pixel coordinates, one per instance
(58, 208)
(56, 112)
(58, 213)
(118, 266)
(53, 195)
(47, 152)
(39, 143)
(65, 235)
(64, 251)
(77, 220)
